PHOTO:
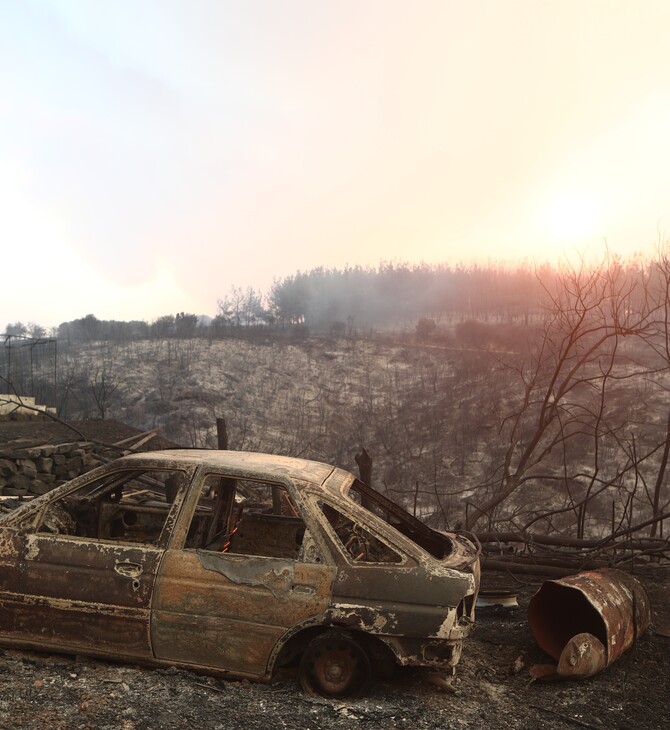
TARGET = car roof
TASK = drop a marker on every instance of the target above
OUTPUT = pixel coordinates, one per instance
(240, 463)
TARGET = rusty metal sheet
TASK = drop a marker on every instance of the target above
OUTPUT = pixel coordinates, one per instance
(240, 464)
(417, 586)
(88, 570)
(76, 594)
(252, 571)
(218, 610)
(398, 619)
(586, 621)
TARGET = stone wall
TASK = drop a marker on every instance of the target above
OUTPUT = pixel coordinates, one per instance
(33, 470)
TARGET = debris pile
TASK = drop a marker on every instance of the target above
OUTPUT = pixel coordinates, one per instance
(527, 553)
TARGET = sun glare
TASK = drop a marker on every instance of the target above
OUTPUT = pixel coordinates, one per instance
(571, 218)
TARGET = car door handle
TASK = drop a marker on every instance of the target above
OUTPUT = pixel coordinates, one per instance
(129, 570)
(304, 590)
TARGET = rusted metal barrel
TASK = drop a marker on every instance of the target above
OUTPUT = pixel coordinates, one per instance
(586, 621)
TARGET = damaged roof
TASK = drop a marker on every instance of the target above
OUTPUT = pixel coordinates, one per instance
(245, 463)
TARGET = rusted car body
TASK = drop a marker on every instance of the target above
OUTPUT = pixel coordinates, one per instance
(236, 563)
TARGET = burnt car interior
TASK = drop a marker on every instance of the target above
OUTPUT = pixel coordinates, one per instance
(355, 541)
(126, 506)
(246, 517)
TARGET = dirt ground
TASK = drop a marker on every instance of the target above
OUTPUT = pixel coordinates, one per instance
(492, 689)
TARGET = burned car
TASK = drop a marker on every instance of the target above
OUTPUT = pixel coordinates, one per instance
(237, 564)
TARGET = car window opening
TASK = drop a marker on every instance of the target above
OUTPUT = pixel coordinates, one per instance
(242, 517)
(436, 543)
(357, 543)
(129, 506)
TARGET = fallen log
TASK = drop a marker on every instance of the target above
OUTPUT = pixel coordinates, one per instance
(529, 538)
(507, 566)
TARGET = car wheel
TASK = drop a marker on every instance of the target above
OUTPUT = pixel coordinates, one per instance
(335, 665)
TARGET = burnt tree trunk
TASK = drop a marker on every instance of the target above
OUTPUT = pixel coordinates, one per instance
(364, 461)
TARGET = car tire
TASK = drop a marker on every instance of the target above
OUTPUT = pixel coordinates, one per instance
(335, 664)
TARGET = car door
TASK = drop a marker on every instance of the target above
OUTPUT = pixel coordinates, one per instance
(84, 596)
(80, 574)
(227, 605)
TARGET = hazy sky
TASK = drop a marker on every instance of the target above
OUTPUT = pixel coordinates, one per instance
(154, 152)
